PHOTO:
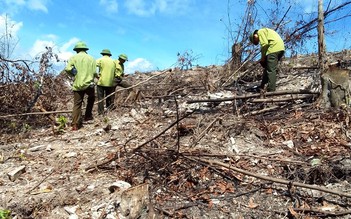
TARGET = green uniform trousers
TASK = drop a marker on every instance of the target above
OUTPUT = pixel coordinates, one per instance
(103, 92)
(270, 70)
(78, 97)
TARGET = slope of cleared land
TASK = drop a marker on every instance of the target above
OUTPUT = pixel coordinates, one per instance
(158, 156)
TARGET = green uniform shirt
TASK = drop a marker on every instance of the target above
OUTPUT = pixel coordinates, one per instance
(86, 67)
(107, 68)
(119, 69)
(270, 41)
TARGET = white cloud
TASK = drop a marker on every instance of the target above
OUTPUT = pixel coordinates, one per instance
(139, 64)
(16, 2)
(309, 6)
(111, 6)
(35, 5)
(173, 6)
(39, 47)
(139, 7)
(63, 52)
(39, 5)
(147, 7)
(69, 45)
(12, 26)
(52, 37)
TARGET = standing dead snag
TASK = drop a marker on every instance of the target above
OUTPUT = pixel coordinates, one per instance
(335, 87)
(235, 61)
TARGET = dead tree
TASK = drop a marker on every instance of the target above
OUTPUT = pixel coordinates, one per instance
(236, 55)
(334, 80)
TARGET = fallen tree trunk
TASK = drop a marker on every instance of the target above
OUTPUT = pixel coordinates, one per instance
(35, 113)
(274, 93)
(276, 180)
(272, 100)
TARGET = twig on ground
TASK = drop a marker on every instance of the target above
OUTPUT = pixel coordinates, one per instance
(161, 133)
(199, 137)
(36, 186)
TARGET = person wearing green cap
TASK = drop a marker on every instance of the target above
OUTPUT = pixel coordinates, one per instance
(272, 50)
(82, 66)
(105, 85)
(122, 58)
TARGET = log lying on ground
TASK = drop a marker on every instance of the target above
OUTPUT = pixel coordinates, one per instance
(272, 179)
(292, 98)
(274, 93)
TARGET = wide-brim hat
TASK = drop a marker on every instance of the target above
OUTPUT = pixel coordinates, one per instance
(80, 46)
(106, 52)
(123, 56)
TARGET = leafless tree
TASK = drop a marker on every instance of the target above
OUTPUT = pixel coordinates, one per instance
(8, 43)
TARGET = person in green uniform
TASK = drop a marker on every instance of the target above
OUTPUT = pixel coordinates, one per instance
(272, 50)
(82, 66)
(106, 75)
(122, 58)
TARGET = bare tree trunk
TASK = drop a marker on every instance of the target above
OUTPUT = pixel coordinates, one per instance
(321, 42)
(236, 56)
(324, 99)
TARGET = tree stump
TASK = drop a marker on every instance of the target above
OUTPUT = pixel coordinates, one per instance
(236, 56)
(336, 87)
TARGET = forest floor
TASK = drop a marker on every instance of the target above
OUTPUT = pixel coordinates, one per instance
(158, 155)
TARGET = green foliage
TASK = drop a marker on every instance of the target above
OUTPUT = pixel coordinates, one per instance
(12, 125)
(22, 156)
(106, 120)
(5, 214)
(26, 127)
(62, 120)
(36, 85)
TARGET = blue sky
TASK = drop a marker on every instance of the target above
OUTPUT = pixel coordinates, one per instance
(150, 32)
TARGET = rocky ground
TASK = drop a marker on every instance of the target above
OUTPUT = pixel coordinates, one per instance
(162, 154)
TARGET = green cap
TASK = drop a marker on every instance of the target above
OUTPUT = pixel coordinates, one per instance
(80, 46)
(106, 52)
(123, 56)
